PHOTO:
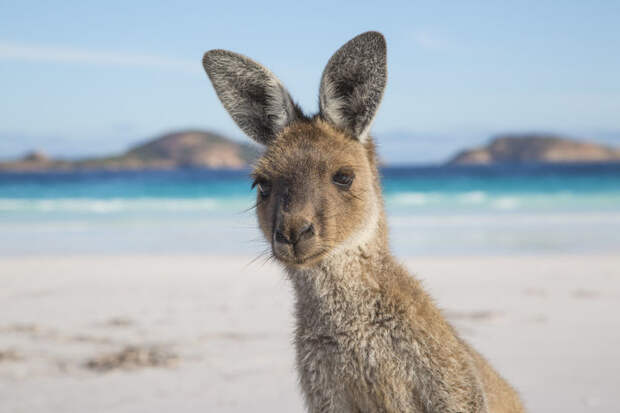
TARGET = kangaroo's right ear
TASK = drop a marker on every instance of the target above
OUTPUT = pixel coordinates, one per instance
(251, 94)
(352, 84)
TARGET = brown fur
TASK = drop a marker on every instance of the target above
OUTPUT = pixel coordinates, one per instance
(368, 338)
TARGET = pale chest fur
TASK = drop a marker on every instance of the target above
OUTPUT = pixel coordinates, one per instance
(369, 339)
(352, 344)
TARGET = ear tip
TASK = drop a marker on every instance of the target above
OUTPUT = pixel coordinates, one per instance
(212, 56)
(376, 39)
(365, 46)
(375, 35)
(208, 59)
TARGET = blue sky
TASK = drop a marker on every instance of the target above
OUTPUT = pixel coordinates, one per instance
(82, 77)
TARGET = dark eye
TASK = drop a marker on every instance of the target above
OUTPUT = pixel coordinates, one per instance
(343, 178)
(263, 186)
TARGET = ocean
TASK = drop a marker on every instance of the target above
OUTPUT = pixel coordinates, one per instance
(490, 210)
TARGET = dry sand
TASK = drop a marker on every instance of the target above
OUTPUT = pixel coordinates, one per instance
(161, 334)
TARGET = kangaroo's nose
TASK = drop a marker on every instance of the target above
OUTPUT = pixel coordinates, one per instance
(295, 234)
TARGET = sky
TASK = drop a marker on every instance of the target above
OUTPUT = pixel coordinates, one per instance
(85, 78)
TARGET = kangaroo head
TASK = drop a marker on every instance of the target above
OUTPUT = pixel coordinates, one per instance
(317, 181)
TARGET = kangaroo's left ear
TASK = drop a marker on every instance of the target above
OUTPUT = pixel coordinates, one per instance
(352, 84)
(251, 94)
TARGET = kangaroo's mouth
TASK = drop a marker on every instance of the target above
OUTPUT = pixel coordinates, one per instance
(305, 260)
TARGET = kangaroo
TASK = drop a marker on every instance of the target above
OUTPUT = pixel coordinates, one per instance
(368, 338)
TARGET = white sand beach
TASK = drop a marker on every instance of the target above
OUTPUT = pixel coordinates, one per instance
(205, 334)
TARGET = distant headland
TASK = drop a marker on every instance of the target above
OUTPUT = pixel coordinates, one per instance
(535, 148)
(183, 149)
(207, 150)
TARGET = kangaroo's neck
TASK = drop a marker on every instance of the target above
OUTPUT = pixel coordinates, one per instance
(344, 284)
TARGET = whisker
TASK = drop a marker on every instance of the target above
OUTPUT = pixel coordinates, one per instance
(260, 255)
(256, 204)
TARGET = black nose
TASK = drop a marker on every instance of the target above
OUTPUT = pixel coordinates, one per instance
(295, 235)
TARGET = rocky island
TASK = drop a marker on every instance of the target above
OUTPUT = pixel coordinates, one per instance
(533, 148)
(192, 149)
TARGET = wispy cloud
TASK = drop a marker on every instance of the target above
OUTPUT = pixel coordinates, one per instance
(60, 54)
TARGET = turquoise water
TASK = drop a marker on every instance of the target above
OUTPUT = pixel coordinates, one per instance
(431, 210)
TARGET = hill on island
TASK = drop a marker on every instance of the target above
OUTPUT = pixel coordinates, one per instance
(185, 149)
(535, 148)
